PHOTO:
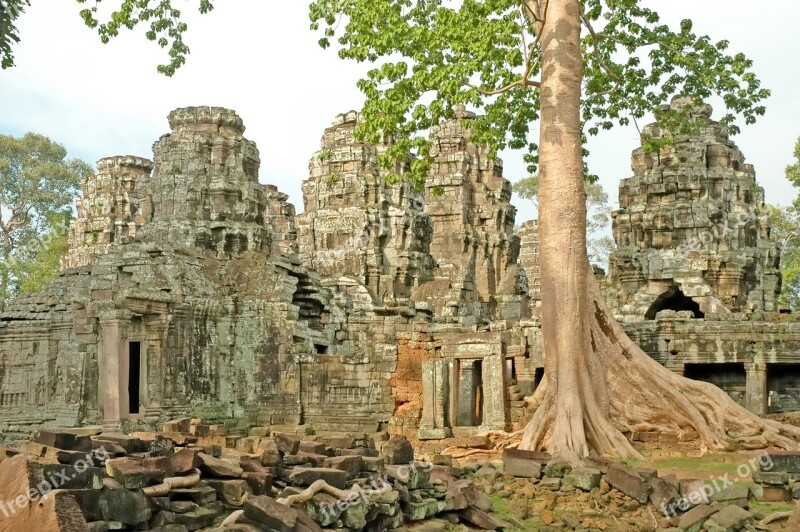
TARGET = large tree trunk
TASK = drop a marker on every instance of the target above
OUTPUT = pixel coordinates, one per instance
(599, 383)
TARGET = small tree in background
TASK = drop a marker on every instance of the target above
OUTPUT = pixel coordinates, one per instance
(785, 231)
(598, 216)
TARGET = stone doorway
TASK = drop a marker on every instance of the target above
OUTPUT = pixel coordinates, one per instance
(469, 400)
(134, 376)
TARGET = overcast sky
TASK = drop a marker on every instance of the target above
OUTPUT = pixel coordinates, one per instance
(259, 58)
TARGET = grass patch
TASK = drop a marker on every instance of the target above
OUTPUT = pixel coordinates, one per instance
(767, 508)
(705, 465)
(501, 511)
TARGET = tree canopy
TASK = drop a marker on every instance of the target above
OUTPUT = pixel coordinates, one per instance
(38, 184)
(436, 54)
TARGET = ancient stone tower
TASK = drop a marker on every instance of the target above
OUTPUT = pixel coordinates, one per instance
(692, 232)
(355, 224)
(109, 211)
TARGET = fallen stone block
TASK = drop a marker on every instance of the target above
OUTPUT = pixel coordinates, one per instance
(260, 482)
(557, 468)
(728, 519)
(197, 519)
(62, 440)
(132, 475)
(129, 443)
(775, 494)
(480, 519)
(181, 507)
(184, 461)
(782, 461)
(524, 464)
(397, 450)
(231, 492)
(628, 482)
(693, 491)
(201, 494)
(269, 512)
(695, 519)
(219, 468)
(548, 483)
(183, 424)
(339, 442)
(305, 476)
(22, 506)
(287, 443)
(772, 478)
(89, 503)
(663, 495)
(736, 494)
(351, 464)
(372, 464)
(59, 476)
(312, 447)
(583, 478)
(126, 506)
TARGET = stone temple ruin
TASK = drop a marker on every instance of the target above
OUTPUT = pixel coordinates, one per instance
(192, 289)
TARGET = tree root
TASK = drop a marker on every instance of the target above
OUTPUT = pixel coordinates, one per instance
(777, 516)
(171, 483)
(619, 388)
(320, 486)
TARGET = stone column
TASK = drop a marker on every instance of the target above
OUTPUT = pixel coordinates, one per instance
(756, 392)
(494, 393)
(466, 395)
(434, 402)
(115, 371)
(111, 381)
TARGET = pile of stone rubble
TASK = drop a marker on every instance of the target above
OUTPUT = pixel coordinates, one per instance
(193, 477)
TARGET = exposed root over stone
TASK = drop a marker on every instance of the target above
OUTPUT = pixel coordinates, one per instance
(320, 486)
(619, 388)
(169, 484)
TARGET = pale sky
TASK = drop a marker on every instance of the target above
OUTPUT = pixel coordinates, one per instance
(260, 59)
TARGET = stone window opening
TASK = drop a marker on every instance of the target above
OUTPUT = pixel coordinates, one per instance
(783, 388)
(674, 299)
(730, 376)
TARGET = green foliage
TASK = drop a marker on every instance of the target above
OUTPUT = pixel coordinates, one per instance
(10, 11)
(325, 155)
(331, 179)
(431, 56)
(34, 273)
(37, 187)
(598, 216)
(785, 231)
(164, 25)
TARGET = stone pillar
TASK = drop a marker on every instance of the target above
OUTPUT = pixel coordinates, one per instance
(435, 391)
(466, 395)
(756, 392)
(112, 387)
(115, 371)
(494, 393)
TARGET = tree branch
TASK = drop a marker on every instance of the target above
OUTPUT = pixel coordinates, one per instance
(523, 81)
